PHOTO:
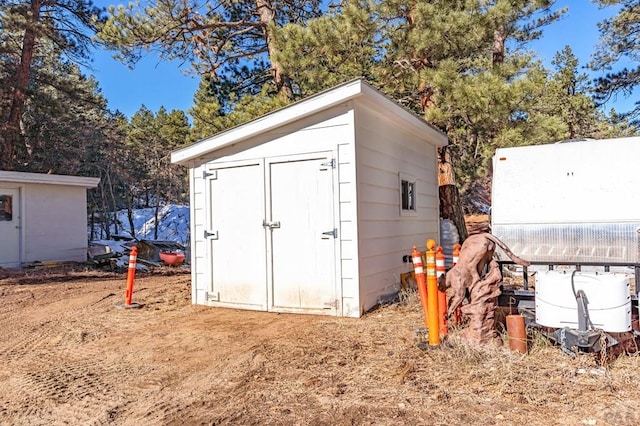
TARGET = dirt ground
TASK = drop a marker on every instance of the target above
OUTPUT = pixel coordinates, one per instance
(69, 356)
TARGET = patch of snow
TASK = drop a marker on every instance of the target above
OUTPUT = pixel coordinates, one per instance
(173, 224)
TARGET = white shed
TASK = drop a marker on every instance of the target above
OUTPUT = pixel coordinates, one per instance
(43, 217)
(311, 208)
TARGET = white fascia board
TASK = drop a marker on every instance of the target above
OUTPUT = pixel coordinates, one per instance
(40, 178)
(279, 118)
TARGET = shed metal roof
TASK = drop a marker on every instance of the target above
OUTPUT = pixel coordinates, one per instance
(41, 178)
(353, 89)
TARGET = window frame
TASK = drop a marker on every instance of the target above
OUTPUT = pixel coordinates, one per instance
(412, 192)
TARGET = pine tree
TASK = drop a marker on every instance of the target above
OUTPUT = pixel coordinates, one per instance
(210, 117)
(206, 111)
(108, 161)
(619, 42)
(174, 130)
(341, 45)
(230, 42)
(63, 25)
(461, 64)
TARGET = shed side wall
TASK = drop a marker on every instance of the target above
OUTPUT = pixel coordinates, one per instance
(385, 150)
(55, 223)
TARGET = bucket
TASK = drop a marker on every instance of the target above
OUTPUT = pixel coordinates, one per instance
(517, 333)
(172, 259)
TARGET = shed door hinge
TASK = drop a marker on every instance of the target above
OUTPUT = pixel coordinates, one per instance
(213, 174)
(213, 296)
(213, 235)
(328, 164)
(334, 304)
(334, 234)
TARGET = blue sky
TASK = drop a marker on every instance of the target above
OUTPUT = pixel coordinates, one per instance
(154, 83)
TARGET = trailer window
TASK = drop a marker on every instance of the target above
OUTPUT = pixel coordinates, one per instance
(408, 194)
(6, 212)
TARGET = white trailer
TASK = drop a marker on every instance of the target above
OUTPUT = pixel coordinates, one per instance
(569, 202)
(573, 204)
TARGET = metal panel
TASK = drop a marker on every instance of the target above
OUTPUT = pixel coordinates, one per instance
(576, 182)
(581, 242)
(63, 205)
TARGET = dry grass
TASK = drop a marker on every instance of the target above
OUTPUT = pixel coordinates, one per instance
(69, 356)
(72, 271)
(530, 384)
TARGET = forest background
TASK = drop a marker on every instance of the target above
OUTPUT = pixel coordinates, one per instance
(466, 66)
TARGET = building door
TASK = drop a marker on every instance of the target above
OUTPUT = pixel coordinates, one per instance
(235, 236)
(303, 237)
(9, 227)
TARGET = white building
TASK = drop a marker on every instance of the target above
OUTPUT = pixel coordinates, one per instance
(43, 217)
(311, 208)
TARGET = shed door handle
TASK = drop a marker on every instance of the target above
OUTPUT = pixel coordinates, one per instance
(271, 225)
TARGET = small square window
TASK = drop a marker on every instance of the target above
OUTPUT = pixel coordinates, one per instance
(6, 212)
(407, 195)
(408, 198)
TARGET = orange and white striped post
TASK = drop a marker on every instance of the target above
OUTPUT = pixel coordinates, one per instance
(432, 295)
(442, 296)
(457, 314)
(456, 253)
(416, 259)
(131, 276)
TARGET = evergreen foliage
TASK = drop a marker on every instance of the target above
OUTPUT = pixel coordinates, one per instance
(34, 32)
(230, 42)
(619, 44)
(463, 65)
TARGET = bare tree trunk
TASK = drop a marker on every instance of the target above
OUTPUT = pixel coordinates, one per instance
(12, 141)
(499, 38)
(113, 201)
(267, 14)
(156, 220)
(106, 217)
(132, 227)
(450, 204)
(92, 220)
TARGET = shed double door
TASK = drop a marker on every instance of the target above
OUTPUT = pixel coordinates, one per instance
(272, 235)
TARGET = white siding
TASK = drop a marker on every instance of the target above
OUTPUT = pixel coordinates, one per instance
(383, 151)
(348, 226)
(199, 264)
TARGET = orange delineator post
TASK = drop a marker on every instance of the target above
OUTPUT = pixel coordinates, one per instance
(416, 259)
(442, 296)
(432, 295)
(456, 253)
(457, 314)
(131, 276)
